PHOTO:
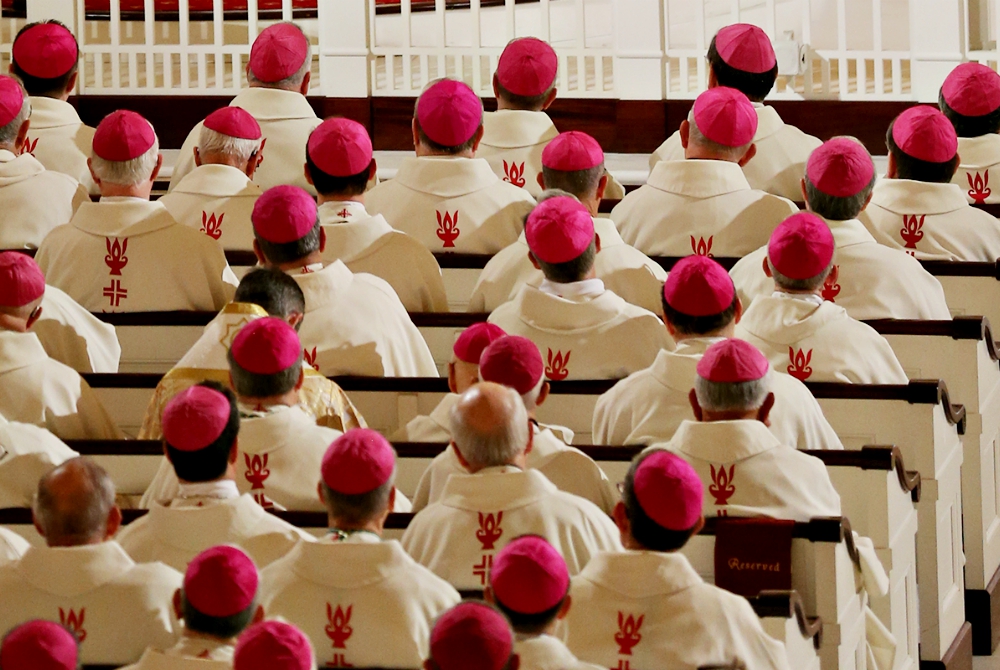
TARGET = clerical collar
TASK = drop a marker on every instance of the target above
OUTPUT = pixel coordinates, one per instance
(807, 297)
(221, 489)
(248, 411)
(586, 288)
(345, 211)
(309, 269)
(338, 535)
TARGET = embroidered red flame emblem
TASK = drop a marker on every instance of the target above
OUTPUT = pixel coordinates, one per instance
(514, 173)
(798, 366)
(116, 258)
(212, 226)
(722, 484)
(831, 289)
(339, 627)
(29, 146)
(257, 470)
(979, 187)
(911, 231)
(448, 230)
(701, 247)
(74, 622)
(489, 530)
(628, 633)
(556, 369)
(309, 357)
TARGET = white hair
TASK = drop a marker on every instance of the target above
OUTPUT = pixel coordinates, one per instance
(735, 397)
(721, 151)
(126, 173)
(8, 133)
(214, 142)
(499, 446)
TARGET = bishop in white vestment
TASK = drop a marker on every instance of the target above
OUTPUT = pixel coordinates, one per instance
(970, 98)
(26, 453)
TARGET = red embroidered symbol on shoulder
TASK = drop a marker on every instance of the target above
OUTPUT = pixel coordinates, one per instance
(116, 259)
(701, 247)
(29, 146)
(448, 230)
(979, 187)
(722, 484)
(628, 635)
(256, 473)
(831, 289)
(556, 368)
(798, 366)
(514, 173)
(489, 529)
(212, 225)
(911, 231)
(309, 357)
(74, 621)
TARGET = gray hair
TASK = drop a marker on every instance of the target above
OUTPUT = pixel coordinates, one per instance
(8, 133)
(126, 173)
(500, 446)
(214, 142)
(359, 509)
(292, 82)
(834, 208)
(720, 151)
(75, 515)
(808, 284)
(550, 193)
(736, 397)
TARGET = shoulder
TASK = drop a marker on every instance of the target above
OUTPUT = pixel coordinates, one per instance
(375, 287)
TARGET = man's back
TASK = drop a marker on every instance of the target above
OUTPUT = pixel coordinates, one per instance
(34, 200)
(978, 156)
(216, 200)
(60, 140)
(513, 141)
(26, 453)
(75, 337)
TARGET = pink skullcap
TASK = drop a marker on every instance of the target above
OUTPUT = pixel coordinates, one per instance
(972, 89)
(340, 147)
(278, 53)
(840, 167)
(273, 645)
(221, 581)
(122, 136)
(926, 134)
(449, 113)
(359, 461)
(471, 635)
(266, 346)
(725, 116)
(559, 230)
(698, 286)
(746, 48)
(21, 281)
(801, 247)
(234, 122)
(732, 361)
(470, 344)
(39, 645)
(529, 576)
(572, 151)
(46, 51)
(284, 214)
(513, 361)
(527, 67)
(668, 490)
(11, 99)
(195, 418)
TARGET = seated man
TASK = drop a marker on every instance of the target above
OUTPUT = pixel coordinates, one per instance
(278, 76)
(40, 644)
(740, 56)
(685, 622)
(12, 547)
(704, 204)
(573, 163)
(463, 372)
(731, 402)
(26, 453)
(701, 309)
(472, 635)
(479, 513)
(34, 200)
(262, 292)
(385, 602)
(339, 165)
(916, 208)
(45, 57)
(34, 388)
(75, 337)
(445, 196)
(355, 324)
(218, 600)
(230, 149)
(116, 607)
(200, 426)
(970, 98)
(529, 583)
(515, 362)
(803, 334)
(273, 645)
(126, 253)
(873, 281)
(571, 316)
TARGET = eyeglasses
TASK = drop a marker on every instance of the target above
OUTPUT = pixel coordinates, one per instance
(621, 487)
(35, 313)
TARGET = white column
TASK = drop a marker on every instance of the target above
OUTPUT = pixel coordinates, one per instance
(343, 48)
(639, 49)
(62, 10)
(937, 44)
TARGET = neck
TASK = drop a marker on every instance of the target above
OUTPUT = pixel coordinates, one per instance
(521, 462)
(781, 289)
(228, 475)
(337, 197)
(314, 257)
(371, 525)
(505, 105)
(427, 152)
(290, 399)
(11, 147)
(224, 159)
(630, 542)
(708, 416)
(697, 152)
(198, 635)
(726, 331)
(12, 323)
(141, 191)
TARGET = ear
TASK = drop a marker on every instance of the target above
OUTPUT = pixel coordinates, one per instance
(867, 200)
(540, 178)
(602, 186)
(477, 138)
(564, 610)
(531, 438)
(294, 319)
(695, 407)
(891, 170)
(834, 274)
(739, 311)
(156, 170)
(713, 81)
(699, 525)
(458, 454)
(597, 242)
(488, 595)
(392, 500)
(33, 318)
(805, 198)
(322, 239)
(751, 152)
(543, 394)
(767, 268)
(416, 134)
(302, 379)
(114, 522)
(319, 492)
(93, 175)
(685, 132)
(373, 170)
(261, 260)
(176, 602)
(234, 451)
(36, 524)
(71, 82)
(765, 410)
(232, 386)
(452, 381)
(258, 616)
(534, 261)
(496, 87)
(553, 94)
(304, 87)
(197, 157)
(309, 177)
(620, 517)
(22, 135)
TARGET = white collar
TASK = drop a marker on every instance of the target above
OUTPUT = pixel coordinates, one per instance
(342, 211)
(221, 489)
(584, 289)
(307, 269)
(805, 297)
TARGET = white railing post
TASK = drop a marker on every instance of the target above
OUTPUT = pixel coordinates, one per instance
(639, 73)
(61, 10)
(937, 44)
(343, 48)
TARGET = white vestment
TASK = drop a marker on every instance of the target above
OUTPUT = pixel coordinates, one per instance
(875, 282)
(75, 337)
(216, 200)
(477, 515)
(12, 546)
(979, 155)
(34, 200)
(27, 453)
(546, 652)
(513, 141)
(129, 255)
(452, 204)
(192, 652)
(434, 427)
(60, 140)
(375, 609)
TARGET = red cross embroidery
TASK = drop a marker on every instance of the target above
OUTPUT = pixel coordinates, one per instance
(343, 213)
(115, 293)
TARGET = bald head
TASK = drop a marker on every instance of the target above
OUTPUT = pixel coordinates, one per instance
(75, 504)
(489, 426)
